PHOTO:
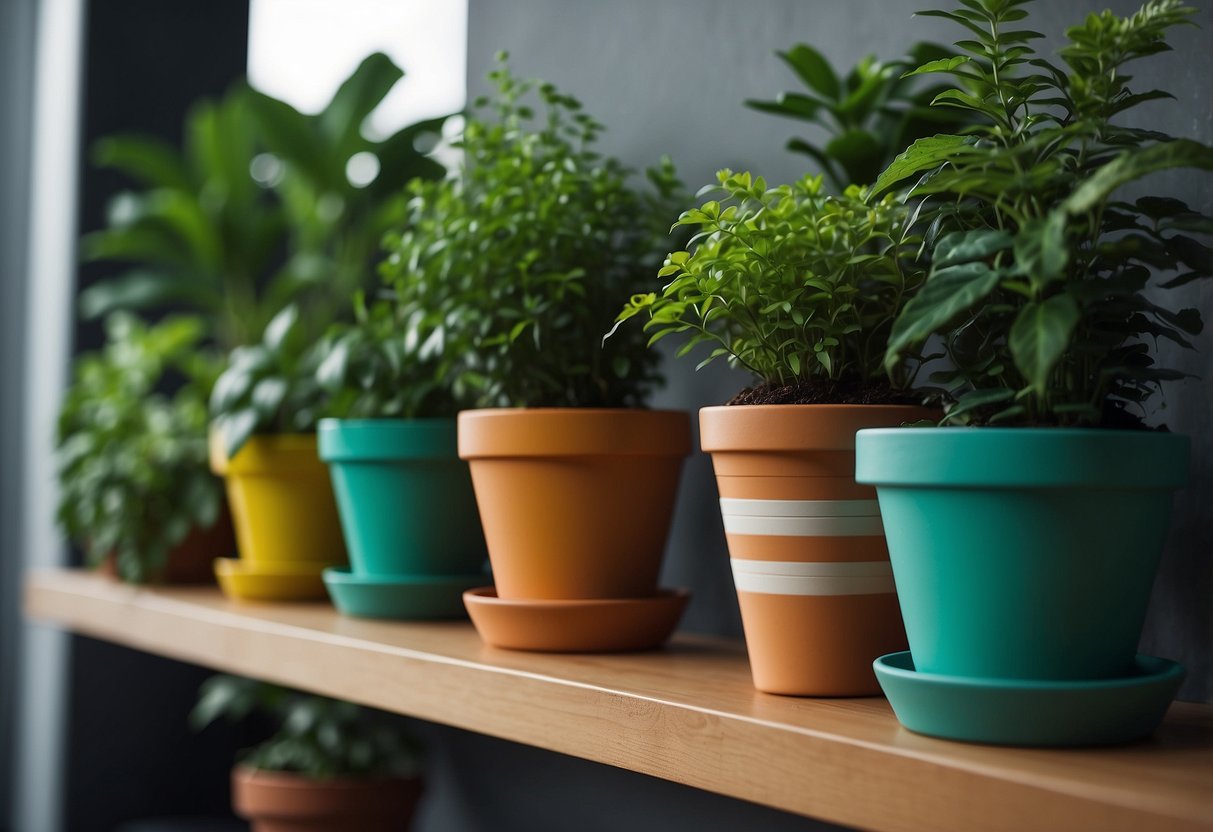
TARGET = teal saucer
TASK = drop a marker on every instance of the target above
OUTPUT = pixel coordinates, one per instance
(1029, 712)
(399, 596)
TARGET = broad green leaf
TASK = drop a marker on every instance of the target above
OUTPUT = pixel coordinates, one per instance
(1040, 250)
(293, 138)
(1039, 337)
(143, 289)
(859, 153)
(268, 395)
(361, 93)
(1134, 164)
(331, 374)
(965, 246)
(924, 154)
(813, 69)
(237, 428)
(282, 329)
(940, 65)
(152, 161)
(947, 294)
(790, 104)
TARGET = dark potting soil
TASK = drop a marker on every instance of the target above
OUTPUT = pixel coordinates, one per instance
(825, 392)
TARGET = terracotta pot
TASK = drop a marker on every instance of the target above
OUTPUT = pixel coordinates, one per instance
(275, 801)
(575, 503)
(814, 583)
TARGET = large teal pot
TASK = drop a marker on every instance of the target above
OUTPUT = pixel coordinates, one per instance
(1023, 553)
(404, 496)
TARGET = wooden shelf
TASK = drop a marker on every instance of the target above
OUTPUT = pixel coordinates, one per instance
(687, 713)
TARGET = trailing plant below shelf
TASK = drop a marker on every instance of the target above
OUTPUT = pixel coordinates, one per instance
(315, 737)
(1038, 281)
(518, 257)
(869, 115)
(790, 283)
(131, 459)
(271, 387)
(257, 209)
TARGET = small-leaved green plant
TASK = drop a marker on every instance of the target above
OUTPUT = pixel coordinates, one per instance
(381, 366)
(518, 257)
(271, 386)
(131, 457)
(315, 737)
(795, 285)
(869, 115)
(1038, 280)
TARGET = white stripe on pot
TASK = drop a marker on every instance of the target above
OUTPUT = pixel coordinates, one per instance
(732, 506)
(815, 569)
(804, 526)
(817, 585)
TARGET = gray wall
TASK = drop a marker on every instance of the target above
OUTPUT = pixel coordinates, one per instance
(669, 77)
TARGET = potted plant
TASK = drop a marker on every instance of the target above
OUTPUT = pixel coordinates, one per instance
(330, 766)
(800, 288)
(254, 179)
(404, 496)
(264, 410)
(869, 114)
(519, 255)
(1025, 537)
(134, 489)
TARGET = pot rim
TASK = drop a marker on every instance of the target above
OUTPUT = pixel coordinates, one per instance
(573, 431)
(263, 452)
(386, 440)
(1041, 457)
(798, 427)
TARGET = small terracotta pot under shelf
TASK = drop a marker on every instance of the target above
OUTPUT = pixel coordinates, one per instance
(274, 801)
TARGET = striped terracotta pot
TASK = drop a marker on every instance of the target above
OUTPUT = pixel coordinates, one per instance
(806, 542)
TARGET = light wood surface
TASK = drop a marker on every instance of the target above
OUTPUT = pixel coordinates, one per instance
(687, 713)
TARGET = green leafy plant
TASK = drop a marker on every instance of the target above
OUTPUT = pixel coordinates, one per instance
(257, 209)
(517, 258)
(869, 115)
(315, 737)
(132, 459)
(796, 286)
(1038, 276)
(271, 386)
(380, 368)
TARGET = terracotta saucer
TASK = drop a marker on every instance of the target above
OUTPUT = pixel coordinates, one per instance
(590, 626)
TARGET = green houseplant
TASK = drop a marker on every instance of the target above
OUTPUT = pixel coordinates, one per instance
(518, 256)
(134, 489)
(1038, 290)
(801, 289)
(329, 765)
(404, 496)
(264, 410)
(869, 114)
(255, 178)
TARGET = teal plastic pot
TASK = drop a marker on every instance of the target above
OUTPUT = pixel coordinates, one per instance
(1023, 553)
(404, 496)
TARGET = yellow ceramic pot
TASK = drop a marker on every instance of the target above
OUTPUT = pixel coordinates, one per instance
(285, 516)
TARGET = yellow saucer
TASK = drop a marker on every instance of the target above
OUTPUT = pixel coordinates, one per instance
(281, 581)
